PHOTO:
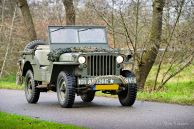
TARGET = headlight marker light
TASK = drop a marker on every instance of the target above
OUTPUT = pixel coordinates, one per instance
(119, 59)
(81, 59)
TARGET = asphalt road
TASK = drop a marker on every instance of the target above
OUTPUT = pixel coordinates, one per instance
(102, 113)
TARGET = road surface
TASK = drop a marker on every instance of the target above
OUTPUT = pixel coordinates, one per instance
(102, 113)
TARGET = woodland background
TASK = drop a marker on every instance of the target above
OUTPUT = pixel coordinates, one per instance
(159, 33)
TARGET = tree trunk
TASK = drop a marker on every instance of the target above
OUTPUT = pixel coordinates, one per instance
(150, 55)
(69, 11)
(27, 19)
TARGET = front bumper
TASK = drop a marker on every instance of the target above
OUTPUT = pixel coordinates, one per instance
(108, 79)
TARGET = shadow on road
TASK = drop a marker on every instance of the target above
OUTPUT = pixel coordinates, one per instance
(80, 104)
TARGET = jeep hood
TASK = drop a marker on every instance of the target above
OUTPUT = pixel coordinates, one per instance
(69, 54)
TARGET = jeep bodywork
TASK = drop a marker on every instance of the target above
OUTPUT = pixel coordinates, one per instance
(82, 51)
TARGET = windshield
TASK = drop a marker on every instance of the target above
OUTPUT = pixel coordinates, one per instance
(77, 35)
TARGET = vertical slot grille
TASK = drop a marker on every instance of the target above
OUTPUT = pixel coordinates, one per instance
(101, 65)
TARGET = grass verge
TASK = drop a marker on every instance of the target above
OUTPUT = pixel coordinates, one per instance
(9, 82)
(183, 94)
(179, 93)
(11, 121)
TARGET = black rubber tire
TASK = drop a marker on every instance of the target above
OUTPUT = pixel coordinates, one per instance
(33, 44)
(30, 86)
(127, 97)
(88, 97)
(69, 96)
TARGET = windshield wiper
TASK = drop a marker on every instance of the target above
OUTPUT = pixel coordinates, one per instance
(58, 29)
(78, 30)
(84, 29)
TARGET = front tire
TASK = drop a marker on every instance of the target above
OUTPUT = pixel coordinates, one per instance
(66, 89)
(88, 97)
(31, 92)
(127, 97)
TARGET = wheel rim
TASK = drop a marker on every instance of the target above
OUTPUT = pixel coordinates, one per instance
(62, 90)
(29, 87)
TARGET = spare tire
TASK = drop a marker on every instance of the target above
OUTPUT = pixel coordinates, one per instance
(33, 44)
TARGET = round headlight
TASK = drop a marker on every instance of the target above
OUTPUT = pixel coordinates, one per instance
(119, 59)
(81, 59)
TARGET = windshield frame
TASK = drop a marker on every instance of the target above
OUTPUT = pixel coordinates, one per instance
(58, 28)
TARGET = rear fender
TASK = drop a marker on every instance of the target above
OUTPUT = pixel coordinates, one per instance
(26, 67)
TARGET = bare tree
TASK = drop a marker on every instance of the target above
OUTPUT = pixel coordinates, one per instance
(8, 44)
(150, 55)
(70, 12)
(181, 55)
(27, 19)
(141, 26)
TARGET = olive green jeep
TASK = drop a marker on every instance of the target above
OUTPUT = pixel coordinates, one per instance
(77, 60)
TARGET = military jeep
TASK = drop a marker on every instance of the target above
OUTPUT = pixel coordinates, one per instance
(76, 60)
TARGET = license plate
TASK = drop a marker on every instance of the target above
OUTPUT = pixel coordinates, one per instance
(104, 81)
(107, 87)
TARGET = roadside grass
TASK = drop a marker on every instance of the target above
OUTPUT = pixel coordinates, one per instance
(12, 121)
(10, 85)
(186, 75)
(9, 82)
(179, 93)
(179, 90)
(176, 93)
